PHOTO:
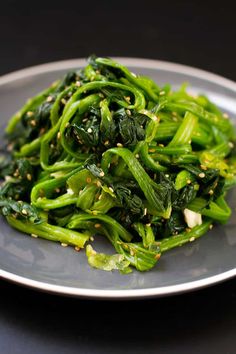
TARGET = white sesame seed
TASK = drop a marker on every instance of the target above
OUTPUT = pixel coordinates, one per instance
(102, 174)
(211, 192)
(145, 211)
(111, 189)
(49, 99)
(29, 177)
(202, 175)
(29, 114)
(78, 83)
(106, 142)
(211, 226)
(91, 238)
(34, 235)
(192, 239)
(98, 183)
(97, 226)
(64, 244)
(77, 248)
(23, 211)
(89, 130)
(161, 93)
(119, 145)
(128, 112)
(33, 122)
(137, 156)
(148, 224)
(58, 135)
(225, 115)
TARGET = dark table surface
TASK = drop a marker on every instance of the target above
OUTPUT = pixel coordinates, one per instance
(201, 35)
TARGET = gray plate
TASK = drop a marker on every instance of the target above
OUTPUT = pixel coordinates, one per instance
(48, 266)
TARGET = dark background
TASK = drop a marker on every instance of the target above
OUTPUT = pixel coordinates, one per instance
(200, 34)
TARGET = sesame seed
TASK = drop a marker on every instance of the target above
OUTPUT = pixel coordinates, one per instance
(91, 238)
(84, 120)
(49, 99)
(211, 192)
(88, 180)
(33, 122)
(132, 252)
(161, 145)
(226, 116)
(203, 167)
(77, 248)
(192, 239)
(106, 142)
(211, 226)
(98, 183)
(119, 145)
(64, 244)
(188, 181)
(58, 135)
(145, 211)
(97, 226)
(202, 175)
(89, 130)
(100, 197)
(157, 256)
(102, 174)
(127, 98)
(30, 114)
(148, 224)
(133, 74)
(231, 145)
(78, 83)
(23, 211)
(137, 156)
(34, 235)
(128, 112)
(167, 175)
(29, 177)
(161, 93)
(151, 150)
(111, 189)
(10, 147)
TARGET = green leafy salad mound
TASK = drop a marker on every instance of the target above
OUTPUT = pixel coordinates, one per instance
(108, 153)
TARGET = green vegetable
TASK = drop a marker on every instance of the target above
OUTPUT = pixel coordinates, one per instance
(104, 152)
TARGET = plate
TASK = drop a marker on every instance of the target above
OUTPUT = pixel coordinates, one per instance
(48, 266)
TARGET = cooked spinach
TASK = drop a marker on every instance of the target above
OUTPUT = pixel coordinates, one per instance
(104, 151)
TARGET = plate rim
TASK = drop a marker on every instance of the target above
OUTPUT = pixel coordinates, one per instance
(129, 293)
